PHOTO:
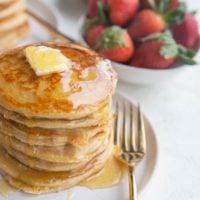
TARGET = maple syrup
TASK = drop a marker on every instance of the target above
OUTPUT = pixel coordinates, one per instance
(5, 188)
(111, 175)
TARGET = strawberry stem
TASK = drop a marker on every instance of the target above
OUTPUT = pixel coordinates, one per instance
(152, 4)
(102, 10)
(176, 16)
(186, 55)
(163, 6)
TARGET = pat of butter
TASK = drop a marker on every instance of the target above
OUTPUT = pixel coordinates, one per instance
(45, 60)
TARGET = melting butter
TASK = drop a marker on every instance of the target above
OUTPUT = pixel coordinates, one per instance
(5, 188)
(45, 60)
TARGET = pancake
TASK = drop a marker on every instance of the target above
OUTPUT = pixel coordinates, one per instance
(43, 165)
(11, 7)
(55, 129)
(49, 137)
(11, 22)
(45, 189)
(40, 179)
(10, 38)
(56, 96)
(63, 154)
(91, 120)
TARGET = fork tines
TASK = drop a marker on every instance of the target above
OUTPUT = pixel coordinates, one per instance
(129, 127)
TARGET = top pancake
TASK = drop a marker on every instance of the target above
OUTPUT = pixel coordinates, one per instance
(67, 95)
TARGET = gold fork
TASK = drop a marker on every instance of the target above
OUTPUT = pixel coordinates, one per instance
(130, 137)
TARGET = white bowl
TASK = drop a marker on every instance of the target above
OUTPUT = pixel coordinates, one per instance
(142, 76)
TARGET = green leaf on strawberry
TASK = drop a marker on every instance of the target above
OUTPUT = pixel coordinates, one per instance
(110, 38)
(115, 44)
(169, 48)
(170, 16)
(102, 12)
(186, 55)
(176, 16)
(163, 6)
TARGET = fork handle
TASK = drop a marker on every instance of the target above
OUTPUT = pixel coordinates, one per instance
(132, 183)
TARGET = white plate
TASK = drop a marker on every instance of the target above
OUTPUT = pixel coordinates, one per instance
(38, 33)
(145, 170)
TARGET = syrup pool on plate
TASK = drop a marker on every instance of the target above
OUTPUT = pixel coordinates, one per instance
(5, 188)
(111, 175)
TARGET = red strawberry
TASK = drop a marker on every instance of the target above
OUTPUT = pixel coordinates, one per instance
(172, 5)
(93, 7)
(145, 23)
(148, 56)
(159, 51)
(116, 44)
(94, 33)
(186, 33)
(122, 11)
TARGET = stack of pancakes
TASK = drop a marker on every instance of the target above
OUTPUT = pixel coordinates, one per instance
(55, 130)
(13, 22)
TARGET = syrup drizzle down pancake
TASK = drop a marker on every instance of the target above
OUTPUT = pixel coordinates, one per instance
(46, 96)
(78, 137)
(55, 128)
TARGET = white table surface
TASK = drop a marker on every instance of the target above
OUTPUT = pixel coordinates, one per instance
(173, 108)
